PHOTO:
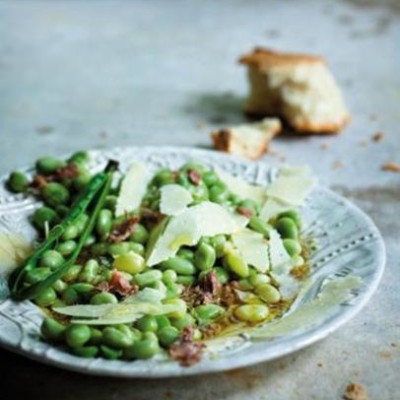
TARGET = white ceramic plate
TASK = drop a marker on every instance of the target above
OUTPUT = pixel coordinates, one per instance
(349, 244)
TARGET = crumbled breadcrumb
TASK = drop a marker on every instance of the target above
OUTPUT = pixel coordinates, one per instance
(377, 137)
(391, 166)
(355, 391)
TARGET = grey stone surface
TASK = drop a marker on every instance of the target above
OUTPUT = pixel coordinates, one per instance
(84, 74)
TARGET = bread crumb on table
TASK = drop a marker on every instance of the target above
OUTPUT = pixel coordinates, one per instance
(247, 140)
(355, 391)
(377, 137)
(391, 166)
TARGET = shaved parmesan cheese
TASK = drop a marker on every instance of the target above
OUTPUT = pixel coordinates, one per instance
(292, 186)
(288, 285)
(133, 188)
(174, 199)
(253, 248)
(186, 229)
(271, 208)
(241, 188)
(279, 258)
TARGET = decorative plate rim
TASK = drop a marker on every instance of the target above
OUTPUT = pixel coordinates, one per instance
(296, 342)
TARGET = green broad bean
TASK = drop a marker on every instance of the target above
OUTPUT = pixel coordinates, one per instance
(162, 321)
(258, 279)
(70, 296)
(45, 215)
(103, 298)
(293, 215)
(111, 202)
(234, 199)
(148, 323)
(222, 274)
(118, 337)
(140, 234)
(173, 290)
(145, 348)
(104, 223)
(76, 335)
(17, 182)
(59, 303)
(186, 253)
(250, 205)
(83, 288)
(59, 286)
(99, 249)
(167, 335)
(72, 273)
(260, 226)
(197, 335)
(52, 329)
(109, 353)
(66, 248)
(180, 265)
(204, 257)
(218, 193)
(236, 263)
(86, 351)
(48, 165)
(206, 313)
(81, 222)
(287, 228)
(117, 249)
(96, 336)
(81, 182)
(91, 239)
(218, 242)
(210, 178)
(186, 280)
(131, 262)
(183, 321)
(148, 277)
(169, 277)
(244, 284)
(51, 259)
(163, 177)
(36, 275)
(137, 248)
(71, 232)
(252, 313)
(268, 293)
(297, 261)
(293, 247)
(199, 192)
(89, 272)
(181, 305)
(80, 157)
(46, 298)
(55, 194)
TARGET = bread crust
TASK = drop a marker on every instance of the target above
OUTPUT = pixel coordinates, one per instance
(264, 58)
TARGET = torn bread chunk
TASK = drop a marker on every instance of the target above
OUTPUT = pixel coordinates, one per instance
(296, 87)
(247, 140)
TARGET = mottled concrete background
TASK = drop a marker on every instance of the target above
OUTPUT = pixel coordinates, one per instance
(83, 74)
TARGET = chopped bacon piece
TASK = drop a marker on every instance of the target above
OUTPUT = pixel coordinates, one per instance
(39, 181)
(70, 171)
(150, 217)
(210, 284)
(194, 177)
(123, 230)
(118, 284)
(244, 211)
(206, 292)
(185, 350)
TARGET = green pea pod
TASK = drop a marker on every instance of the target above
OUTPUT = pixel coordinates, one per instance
(99, 185)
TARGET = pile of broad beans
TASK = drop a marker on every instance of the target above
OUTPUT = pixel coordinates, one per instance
(99, 257)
